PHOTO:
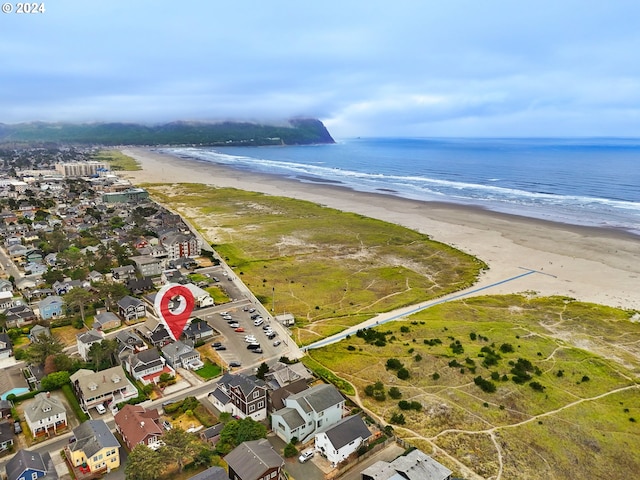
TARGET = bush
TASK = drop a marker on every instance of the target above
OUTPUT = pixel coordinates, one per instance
(398, 419)
(403, 374)
(290, 450)
(395, 393)
(485, 385)
(394, 364)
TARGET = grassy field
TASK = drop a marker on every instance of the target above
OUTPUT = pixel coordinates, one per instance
(330, 269)
(117, 160)
(584, 422)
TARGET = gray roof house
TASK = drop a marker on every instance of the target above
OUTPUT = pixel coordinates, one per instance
(6, 436)
(94, 437)
(341, 440)
(241, 395)
(147, 366)
(308, 412)
(45, 415)
(211, 473)
(85, 340)
(415, 465)
(104, 387)
(181, 355)
(265, 462)
(27, 465)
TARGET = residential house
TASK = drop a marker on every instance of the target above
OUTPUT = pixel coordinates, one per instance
(307, 412)
(138, 426)
(181, 355)
(147, 366)
(211, 473)
(342, 439)
(264, 463)
(95, 277)
(148, 266)
(31, 465)
(276, 396)
(85, 340)
(415, 465)
(180, 245)
(281, 374)
(201, 297)
(131, 308)
(6, 347)
(38, 330)
(154, 331)
(211, 435)
(6, 436)
(66, 285)
(105, 387)
(51, 307)
(128, 343)
(45, 415)
(34, 269)
(104, 321)
(241, 395)
(174, 276)
(5, 285)
(5, 408)
(17, 252)
(96, 450)
(19, 316)
(198, 330)
(6, 300)
(51, 259)
(122, 274)
(138, 286)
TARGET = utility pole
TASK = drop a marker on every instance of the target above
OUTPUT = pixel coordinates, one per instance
(273, 305)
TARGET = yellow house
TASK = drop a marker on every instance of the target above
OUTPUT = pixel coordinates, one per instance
(95, 448)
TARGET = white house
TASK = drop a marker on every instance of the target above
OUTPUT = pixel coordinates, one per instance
(45, 415)
(308, 412)
(342, 439)
(85, 340)
(202, 297)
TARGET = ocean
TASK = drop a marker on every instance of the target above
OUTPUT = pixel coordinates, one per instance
(589, 182)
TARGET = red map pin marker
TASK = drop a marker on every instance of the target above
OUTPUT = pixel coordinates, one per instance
(177, 318)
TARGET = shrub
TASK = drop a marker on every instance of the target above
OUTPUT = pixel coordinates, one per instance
(485, 385)
(506, 348)
(393, 364)
(398, 419)
(538, 387)
(290, 450)
(435, 376)
(395, 393)
(403, 374)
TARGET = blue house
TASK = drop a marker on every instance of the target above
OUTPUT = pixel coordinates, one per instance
(51, 307)
(26, 465)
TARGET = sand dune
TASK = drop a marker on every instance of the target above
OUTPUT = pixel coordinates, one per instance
(589, 264)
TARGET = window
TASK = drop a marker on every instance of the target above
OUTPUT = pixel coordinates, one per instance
(256, 394)
(34, 475)
(261, 404)
(252, 407)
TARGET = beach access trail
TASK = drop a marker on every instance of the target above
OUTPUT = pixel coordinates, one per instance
(589, 264)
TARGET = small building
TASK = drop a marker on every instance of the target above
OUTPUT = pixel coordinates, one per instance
(85, 340)
(6, 436)
(202, 297)
(31, 465)
(343, 439)
(241, 395)
(212, 473)
(104, 321)
(147, 366)
(51, 307)
(415, 465)
(198, 330)
(308, 412)
(45, 415)
(131, 308)
(148, 266)
(131, 195)
(211, 435)
(155, 332)
(181, 355)
(6, 347)
(96, 450)
(138, 426)
(265, 462)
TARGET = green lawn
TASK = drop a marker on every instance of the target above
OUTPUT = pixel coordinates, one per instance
(210, 370)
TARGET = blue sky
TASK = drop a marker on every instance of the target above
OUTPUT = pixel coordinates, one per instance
(405, 68)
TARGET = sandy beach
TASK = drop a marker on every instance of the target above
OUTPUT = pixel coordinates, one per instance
(588, 264)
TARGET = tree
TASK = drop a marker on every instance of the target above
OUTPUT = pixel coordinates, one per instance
(111, 292)
(237, 431)
(78, 297)
(54, 380)
(103, 353)
(179, 446)
(262, 370)
(44, 346)
(144, 464)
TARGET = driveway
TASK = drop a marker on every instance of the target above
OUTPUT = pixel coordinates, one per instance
(297, 470)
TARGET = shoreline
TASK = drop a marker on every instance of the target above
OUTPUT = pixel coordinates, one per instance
(592, 264)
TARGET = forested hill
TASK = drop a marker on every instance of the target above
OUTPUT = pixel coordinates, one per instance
(294, 132)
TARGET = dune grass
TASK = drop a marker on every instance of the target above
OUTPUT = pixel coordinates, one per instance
(117, 160)
(458, 416)
(329, 268)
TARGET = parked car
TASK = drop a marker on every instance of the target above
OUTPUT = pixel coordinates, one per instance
(271, 335)
(166, 425)
(306, 455)
(249, 338)
(251, 310)
(253, 346)
(17, 428)
(239, 330)
(235, 364)
(234, 325)
(100, 409)
(276, 343)
(216, 279)
(257, 350)
(224, 313)
(216, 344)
(258, 321)
(220, 347)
